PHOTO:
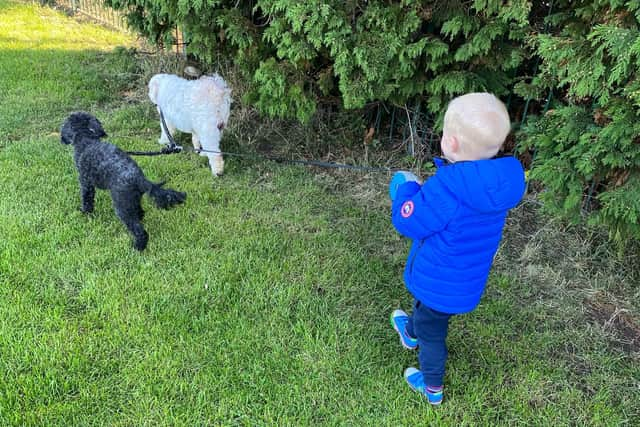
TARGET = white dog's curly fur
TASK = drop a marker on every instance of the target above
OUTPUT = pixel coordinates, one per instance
(199, 107)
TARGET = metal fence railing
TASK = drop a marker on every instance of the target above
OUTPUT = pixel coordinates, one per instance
(95, 9)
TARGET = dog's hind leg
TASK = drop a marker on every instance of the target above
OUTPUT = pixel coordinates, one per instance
(128, 208)
(140, 212)
(210, 141)
(87, 196)
(216, 162)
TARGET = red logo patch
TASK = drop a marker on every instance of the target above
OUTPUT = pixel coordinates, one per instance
(407, 209)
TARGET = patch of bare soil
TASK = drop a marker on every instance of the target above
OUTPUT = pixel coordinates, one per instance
(618, 321)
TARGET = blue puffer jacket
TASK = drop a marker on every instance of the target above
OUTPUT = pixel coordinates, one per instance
(455, 220)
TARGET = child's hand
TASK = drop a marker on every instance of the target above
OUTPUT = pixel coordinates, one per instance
(398, 179)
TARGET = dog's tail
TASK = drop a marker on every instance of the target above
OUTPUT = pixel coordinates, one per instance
(164, 198)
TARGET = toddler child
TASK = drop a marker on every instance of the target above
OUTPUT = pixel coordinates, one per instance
(455, 220)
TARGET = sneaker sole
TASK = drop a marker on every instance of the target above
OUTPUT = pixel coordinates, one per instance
(395, 328)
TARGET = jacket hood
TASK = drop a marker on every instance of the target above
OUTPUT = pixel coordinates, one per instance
(485, 185)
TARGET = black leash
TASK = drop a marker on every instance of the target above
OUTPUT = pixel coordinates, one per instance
(317, 163)
(173, 147)
(170, 148)
(167, 149)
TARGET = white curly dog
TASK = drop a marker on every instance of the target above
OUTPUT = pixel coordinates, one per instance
(199, 107)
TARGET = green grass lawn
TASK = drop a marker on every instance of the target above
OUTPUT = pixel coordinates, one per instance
(264, 300)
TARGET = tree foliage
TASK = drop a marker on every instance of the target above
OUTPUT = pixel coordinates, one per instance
(294, 55)
(588, 145)
(297, 53)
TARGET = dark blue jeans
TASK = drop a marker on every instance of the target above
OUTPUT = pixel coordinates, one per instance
(430, 327)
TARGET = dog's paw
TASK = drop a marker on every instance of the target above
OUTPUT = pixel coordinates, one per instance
(217, 165)
(141, 242)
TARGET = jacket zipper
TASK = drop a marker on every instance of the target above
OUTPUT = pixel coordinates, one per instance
(413, 258)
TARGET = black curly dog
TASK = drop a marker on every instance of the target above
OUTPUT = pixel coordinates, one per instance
(105, 166)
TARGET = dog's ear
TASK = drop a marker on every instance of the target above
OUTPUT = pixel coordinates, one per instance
(80, 124)
(96, 129)
(154, 87)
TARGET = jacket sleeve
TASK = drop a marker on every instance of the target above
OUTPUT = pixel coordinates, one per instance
(420, 211)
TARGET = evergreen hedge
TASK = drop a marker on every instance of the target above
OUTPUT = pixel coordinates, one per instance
(588, 144)
(585, 53)
(296, 53)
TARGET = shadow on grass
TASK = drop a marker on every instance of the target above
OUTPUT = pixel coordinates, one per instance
(41, 87)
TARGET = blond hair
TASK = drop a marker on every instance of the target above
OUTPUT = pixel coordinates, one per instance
(480, 123)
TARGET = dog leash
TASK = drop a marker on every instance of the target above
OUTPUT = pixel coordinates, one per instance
(167, 149)
(170, 148)
(173, 147)
(317, 163)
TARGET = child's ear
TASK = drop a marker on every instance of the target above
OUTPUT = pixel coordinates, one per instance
(450, 144)
(454, 145)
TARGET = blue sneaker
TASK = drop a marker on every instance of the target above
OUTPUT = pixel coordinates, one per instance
(416, 381)
(399, 320)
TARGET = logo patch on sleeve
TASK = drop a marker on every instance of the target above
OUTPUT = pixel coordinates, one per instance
(407, 209)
